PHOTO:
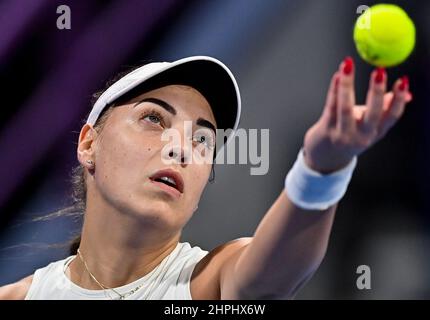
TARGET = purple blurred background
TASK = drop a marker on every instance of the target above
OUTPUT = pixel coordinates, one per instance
(283, 53)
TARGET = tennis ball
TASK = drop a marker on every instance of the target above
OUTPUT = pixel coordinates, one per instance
(384, 35)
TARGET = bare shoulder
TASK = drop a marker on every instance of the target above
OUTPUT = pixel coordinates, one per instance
(17, 290)
(205, 281)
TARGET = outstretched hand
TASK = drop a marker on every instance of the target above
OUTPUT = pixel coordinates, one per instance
(344, 129)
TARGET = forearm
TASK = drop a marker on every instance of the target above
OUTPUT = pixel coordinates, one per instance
(288, 246)
(290, 242)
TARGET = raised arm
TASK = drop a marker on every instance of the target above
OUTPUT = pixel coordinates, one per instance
(291, 241)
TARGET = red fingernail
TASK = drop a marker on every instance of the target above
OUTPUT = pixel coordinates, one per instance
(348, 65)
(380, 75)
(404, 83)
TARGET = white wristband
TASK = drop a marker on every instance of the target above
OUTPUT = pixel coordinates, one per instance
(311, 190)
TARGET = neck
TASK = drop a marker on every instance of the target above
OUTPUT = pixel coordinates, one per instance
(118, 249)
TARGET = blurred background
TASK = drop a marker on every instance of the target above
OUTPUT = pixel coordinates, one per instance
(283, 53)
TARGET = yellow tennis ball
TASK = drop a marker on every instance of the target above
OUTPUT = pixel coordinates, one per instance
(384, 35)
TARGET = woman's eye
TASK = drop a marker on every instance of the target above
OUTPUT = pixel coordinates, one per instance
(154, 118)
(204, 140)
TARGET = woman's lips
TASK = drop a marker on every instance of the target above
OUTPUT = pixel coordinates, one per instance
(172, 175)
(168, 189)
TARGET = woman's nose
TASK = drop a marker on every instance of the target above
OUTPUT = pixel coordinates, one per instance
(179, 154)
(179, 147)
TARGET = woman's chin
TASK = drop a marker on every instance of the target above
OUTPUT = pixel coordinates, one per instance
(157, 212)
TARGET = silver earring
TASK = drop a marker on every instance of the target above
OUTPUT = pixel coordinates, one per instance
(90, 162)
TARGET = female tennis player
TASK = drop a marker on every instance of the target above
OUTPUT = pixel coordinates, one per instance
(141, 190)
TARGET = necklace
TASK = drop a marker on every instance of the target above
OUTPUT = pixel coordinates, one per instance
(121, 296)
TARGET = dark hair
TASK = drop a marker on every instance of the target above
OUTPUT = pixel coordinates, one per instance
(78, 182)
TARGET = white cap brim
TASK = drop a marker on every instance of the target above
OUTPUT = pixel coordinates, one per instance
(206, 74)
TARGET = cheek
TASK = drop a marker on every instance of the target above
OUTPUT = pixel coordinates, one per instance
(198, 180)
(122, 159)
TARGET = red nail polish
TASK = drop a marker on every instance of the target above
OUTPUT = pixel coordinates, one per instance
(380, 75)
(348, 65)
(404, 83)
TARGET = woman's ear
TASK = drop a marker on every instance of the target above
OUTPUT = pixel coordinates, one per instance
(85, 151)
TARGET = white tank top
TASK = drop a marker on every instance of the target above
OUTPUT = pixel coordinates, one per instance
(170, 280)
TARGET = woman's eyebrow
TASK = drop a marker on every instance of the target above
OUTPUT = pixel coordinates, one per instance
(200, 121)
(205, 123)
(161, 103)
